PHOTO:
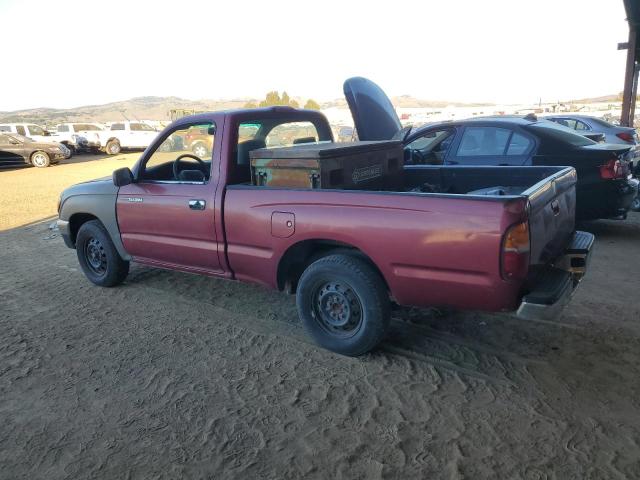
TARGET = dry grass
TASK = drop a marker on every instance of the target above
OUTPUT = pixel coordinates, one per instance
(31, 194)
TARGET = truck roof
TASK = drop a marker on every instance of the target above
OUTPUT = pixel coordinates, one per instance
(260, 112)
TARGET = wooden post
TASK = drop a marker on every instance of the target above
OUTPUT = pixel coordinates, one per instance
(630, 81)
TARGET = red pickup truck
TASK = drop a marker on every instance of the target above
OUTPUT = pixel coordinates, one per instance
(346, 254)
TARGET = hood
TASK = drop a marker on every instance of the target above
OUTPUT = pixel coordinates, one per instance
(372, 111)
(100, 186)
(43, 145)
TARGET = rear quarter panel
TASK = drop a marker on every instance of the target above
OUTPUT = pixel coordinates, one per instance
(431, 250)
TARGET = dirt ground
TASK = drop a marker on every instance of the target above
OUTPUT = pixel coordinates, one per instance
(178, 376)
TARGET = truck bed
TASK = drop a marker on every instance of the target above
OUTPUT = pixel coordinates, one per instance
(428, 246)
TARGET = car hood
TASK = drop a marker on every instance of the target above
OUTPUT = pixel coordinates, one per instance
(100, 186)
(372, 111)
(44, 145)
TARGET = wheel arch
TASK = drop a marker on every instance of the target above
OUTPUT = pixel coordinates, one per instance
(300, 255)
(78, 209)
(76, 221)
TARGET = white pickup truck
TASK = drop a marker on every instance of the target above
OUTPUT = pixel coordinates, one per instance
(114, 138)
(126, 135)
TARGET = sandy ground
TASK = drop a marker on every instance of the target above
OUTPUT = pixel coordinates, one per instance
(29, 194)
(178, 376)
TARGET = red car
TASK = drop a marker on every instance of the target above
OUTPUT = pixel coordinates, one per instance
(346, 254)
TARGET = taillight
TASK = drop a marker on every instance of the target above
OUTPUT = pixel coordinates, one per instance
(614, 168)
(515, 252)
(626, 136)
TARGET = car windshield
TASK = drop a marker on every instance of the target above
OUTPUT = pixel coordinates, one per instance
(18, 137)
(561, 133)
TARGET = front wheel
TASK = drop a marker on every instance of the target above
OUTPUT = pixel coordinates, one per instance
(343, 304)
(113, 147)
(40, 159)
(98, 257)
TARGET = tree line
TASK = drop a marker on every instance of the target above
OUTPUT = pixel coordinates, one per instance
(274, 98)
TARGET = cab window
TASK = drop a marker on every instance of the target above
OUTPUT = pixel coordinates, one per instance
(271, 133)
(117, 126)
(291, 133)
(20, 129)
(63, 128)
(183, 156)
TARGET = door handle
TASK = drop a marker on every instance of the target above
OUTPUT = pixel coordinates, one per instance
(197, 204)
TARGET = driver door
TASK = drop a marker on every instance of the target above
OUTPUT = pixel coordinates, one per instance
(166, 217)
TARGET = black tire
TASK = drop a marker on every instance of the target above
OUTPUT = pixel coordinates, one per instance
(343, 304)
(635, 205)
(40, 159)
(98, 257)
(113, 147)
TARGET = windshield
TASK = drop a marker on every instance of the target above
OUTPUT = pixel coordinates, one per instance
(561, 133)
(17, 137)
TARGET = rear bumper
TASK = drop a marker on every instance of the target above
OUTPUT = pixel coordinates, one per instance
(608, 199)
(551, 289)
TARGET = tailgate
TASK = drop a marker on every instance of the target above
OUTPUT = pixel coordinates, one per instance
(551, 215)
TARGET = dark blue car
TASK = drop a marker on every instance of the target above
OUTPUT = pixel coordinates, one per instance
(605, 187)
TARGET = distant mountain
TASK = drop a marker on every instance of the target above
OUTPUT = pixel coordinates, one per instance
(603, 99)
(157, 108)
(408, 101)
(147, 108)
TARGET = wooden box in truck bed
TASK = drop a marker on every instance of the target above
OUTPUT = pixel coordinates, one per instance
(348, 166)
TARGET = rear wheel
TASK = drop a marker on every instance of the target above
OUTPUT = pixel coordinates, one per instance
(40, 159)
(98, 257)
(113, 147)
(343, 304)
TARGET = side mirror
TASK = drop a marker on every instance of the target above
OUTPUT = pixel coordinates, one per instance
(47, 134)
(122, 177)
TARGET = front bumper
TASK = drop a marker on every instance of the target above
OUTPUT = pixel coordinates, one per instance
(65, 233)
(550, 289)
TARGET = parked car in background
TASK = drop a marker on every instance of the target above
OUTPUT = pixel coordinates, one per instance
(17, 150)
(605, 188)
(72, 142)
(584, 124)
(125, 136)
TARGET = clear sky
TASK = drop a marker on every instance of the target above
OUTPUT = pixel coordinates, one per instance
(79, 52)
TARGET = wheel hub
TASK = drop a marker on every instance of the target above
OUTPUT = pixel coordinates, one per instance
(338, 308)
(96, 258)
